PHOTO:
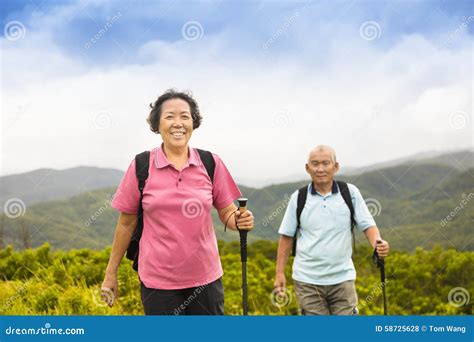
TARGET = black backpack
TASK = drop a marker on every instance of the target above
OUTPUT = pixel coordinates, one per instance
(303, 194)
(142, 162)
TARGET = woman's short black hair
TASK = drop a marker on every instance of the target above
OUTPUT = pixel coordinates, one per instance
(155, 113)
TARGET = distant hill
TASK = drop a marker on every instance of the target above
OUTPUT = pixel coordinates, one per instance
(460, 160)
(84, 220)
(49, 184)
(410, 203)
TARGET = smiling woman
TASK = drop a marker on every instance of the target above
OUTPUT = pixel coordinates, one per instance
(178, 254)
(175, 115)
(189, 108)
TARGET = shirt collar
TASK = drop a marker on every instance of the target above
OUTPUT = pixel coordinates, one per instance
(161, 161)
(334, 190)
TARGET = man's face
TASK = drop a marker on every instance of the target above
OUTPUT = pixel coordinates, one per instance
(176, 123)
(321, 166)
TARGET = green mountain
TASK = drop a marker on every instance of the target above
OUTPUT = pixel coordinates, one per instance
(409, 203)
(459, 160)
(49, 184)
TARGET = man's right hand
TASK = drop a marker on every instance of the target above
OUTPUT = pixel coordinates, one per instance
(280, 282)
(109, 289)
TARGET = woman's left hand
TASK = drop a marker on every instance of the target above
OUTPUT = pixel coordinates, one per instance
(244, 220)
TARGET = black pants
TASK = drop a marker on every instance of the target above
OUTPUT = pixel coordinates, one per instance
(202, 300)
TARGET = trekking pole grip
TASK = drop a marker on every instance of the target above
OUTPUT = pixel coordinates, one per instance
(243, 232)
(379, 259)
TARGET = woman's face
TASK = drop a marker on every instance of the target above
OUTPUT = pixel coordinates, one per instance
(176, 123)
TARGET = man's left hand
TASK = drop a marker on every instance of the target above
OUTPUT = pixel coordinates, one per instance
(383, 248)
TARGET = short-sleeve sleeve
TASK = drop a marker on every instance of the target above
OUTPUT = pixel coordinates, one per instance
(362, 215)
(224, 188)
(127, 196)
(289, 222)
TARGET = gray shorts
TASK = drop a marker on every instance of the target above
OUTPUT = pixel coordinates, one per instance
(338, 299)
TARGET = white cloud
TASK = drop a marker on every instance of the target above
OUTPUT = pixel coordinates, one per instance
(262, 115)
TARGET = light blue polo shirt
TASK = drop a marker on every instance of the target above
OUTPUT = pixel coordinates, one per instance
(324, 240)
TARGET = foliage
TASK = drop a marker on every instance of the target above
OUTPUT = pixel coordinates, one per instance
(42, 281)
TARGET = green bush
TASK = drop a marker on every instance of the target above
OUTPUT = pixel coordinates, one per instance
(42, 281)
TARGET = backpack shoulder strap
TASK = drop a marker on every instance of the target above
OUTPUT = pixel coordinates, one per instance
(208, 161)
(346, 195)
(142, 163)
(302, 195)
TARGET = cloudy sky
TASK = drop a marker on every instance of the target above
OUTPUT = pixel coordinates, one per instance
(376, 80)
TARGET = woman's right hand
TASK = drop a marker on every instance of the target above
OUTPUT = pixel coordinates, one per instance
(126, 225)
(109, 289)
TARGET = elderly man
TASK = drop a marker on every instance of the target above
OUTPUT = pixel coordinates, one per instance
(319, 217)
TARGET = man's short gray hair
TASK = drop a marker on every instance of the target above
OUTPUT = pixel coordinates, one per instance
(324, 148)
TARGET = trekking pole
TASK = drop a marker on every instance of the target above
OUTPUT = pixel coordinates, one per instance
(243, 257)
(380, 262)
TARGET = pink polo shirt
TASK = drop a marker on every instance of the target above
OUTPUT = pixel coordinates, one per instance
(178, 248)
